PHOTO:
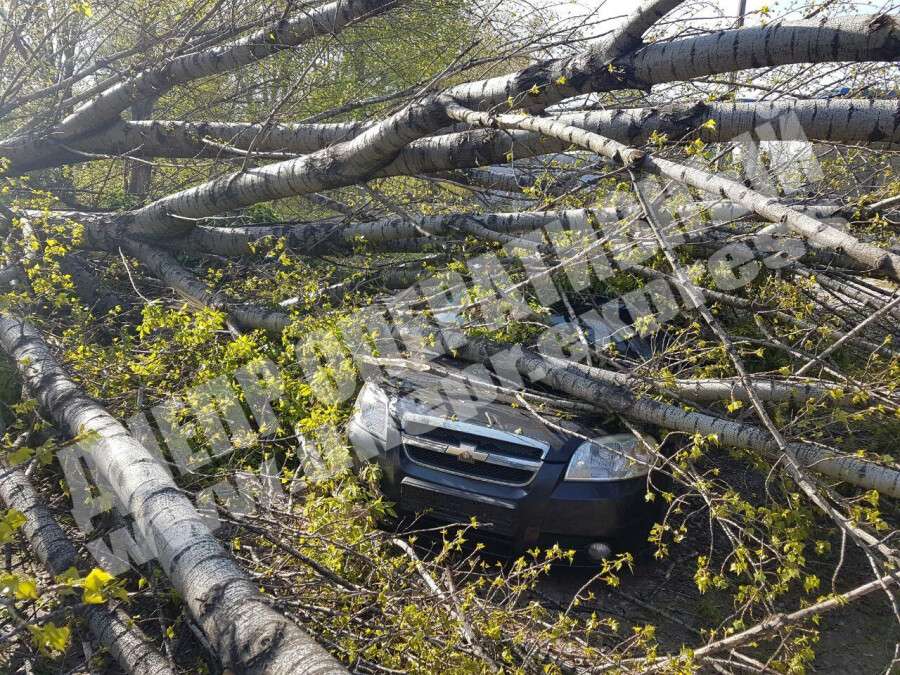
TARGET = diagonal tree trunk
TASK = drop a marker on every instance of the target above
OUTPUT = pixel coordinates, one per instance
(344, 164)
(247, 634)
(770, 208)
(327, 19)
(564, 377)
(112, 628)
(168, 270)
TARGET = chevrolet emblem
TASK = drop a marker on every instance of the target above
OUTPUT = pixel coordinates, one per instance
(467, 453)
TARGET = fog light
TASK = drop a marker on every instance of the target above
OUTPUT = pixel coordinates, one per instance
(599, 551)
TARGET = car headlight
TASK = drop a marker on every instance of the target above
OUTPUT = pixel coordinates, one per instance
(372, 410)
(608, 458)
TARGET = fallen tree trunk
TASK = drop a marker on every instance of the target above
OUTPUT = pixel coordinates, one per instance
(855, 38)
(814, 231)
(709, 390)
(247, 634)
(112, 628)
(867, 121)
(343, 164)
(769, 208)
(849, 38)
(168, 270)
(174, 138)
(562, 376)
(328, 234)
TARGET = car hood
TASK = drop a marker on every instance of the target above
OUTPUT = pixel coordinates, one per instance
(426, 394)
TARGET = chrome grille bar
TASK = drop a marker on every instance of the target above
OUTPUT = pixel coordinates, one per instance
(470, 457)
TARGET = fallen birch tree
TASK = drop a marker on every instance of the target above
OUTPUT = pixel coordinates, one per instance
(185, 190)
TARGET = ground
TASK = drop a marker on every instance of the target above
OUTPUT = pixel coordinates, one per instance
(857, 639)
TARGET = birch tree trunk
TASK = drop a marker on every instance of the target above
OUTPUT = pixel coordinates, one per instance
(112, 628)
(565, 378)
(859, 39)
(344, 164)
(818, 233)
(247, 634)
(867, 121)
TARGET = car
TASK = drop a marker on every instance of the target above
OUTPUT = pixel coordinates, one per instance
(454, 453)
(599, 333)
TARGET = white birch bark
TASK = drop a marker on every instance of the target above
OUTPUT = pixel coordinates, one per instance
(708, 390)
(247, 634)
(344, 164)
(173, 138)
(112, 628)
(844, 39)
(770, 208)
(628, 36)
(562, 377)
(864, 121)
(853, 38)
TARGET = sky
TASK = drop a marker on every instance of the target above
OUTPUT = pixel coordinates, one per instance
(608, 7)
(600, 10)
(618, 7)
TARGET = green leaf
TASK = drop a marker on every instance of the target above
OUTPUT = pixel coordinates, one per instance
(19, 456)
(26, 590)
(94, 585)
(21, 587)
(83, 8)
(11, 521)
(50, 638)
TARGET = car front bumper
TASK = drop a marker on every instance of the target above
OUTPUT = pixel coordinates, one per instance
(547, 510)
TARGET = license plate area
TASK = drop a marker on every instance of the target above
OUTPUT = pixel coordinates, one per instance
(456, 506)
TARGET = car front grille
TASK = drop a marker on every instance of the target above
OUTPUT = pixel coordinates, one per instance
(473, 451)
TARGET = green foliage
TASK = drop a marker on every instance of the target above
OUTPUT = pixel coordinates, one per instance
(10, 522)
(51, 639)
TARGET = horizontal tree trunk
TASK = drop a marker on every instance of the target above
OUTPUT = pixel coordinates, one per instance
(865, 121)
(324, 235)
(165, 138)
(708, 390)
(853, 38)
(312, 237)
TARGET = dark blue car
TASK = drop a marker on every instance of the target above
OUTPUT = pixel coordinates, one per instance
(454, 453)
